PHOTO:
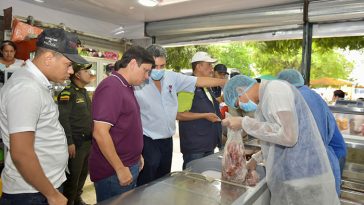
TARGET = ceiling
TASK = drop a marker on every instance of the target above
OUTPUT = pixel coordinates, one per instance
(105, 17)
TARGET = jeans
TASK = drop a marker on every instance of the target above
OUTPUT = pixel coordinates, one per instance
(157, 159)
(190, 157)
(24, 199)
(110, 186)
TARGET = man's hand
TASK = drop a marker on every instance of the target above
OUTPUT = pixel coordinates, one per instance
(72, 150)
(212, 117)
(141, 163)
(57, 199)
(234, 123)
(124, 176)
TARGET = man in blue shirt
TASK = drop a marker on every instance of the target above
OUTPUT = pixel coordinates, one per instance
(330, 134)
(157, 99)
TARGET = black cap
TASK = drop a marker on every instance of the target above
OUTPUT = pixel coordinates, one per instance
(77, 67)
(221, 68)
(61, 41)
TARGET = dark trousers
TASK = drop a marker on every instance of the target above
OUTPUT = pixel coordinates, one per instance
(24, 199)
(157, 159)
(78, 168)
(192, 156)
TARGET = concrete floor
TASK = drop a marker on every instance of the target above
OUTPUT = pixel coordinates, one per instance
(89, 195)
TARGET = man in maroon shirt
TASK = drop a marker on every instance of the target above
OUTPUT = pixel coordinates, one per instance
(115, 159)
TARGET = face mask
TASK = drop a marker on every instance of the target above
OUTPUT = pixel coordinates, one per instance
(157, 74)
(250, 106)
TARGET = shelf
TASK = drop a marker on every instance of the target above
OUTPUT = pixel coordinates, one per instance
(354, 141)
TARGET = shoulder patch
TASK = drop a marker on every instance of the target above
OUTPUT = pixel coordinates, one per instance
(64, 98)
(65, 93)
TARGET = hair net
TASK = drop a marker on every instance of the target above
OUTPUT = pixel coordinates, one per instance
(236, 86)
(292, 76)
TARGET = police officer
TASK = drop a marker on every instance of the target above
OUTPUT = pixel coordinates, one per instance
(74, 106)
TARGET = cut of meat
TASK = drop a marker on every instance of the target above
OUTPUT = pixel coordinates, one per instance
(234, 163)
(252, 178)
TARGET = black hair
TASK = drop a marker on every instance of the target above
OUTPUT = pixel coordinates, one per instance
(10, 43)
(232, 74)
(339, 93)
(138, 53)
(220, 66)
(109, 68)
(4, 43)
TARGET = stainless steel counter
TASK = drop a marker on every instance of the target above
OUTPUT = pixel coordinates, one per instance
(259, 194)
(182, 188)
(194, 187)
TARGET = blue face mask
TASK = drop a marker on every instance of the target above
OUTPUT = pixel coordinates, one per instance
(157, 74)
(250, 106)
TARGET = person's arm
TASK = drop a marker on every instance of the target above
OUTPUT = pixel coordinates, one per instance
(187, 116)
(281, 125)
(104, 141)
(283, 132)
(27, 163)
(65, 103)
(279, 110)
(210, 82)
(141, 163)
(185, 100)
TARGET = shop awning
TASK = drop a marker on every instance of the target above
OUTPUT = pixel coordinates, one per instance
(325, 82)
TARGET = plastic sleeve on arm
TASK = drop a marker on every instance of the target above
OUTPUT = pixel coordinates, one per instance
(258, 157)
(284, 131)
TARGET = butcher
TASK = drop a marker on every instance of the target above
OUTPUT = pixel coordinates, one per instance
(297, 166)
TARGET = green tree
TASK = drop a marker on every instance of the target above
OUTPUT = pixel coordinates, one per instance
(179, 57)
(273, 56)
(233, 55)
(270, 57)
(330, 64)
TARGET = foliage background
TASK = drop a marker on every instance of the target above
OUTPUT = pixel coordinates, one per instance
(270, 57)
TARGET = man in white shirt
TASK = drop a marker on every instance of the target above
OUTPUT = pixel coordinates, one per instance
(37, 158)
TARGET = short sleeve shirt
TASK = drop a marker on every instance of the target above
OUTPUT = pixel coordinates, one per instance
(114, 103)
(185, 100)
(26, 104)
(159, 109)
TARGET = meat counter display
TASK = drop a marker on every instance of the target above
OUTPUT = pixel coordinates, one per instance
(199, 184)
(350, 120)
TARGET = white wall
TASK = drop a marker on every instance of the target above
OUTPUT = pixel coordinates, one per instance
(80, 23)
